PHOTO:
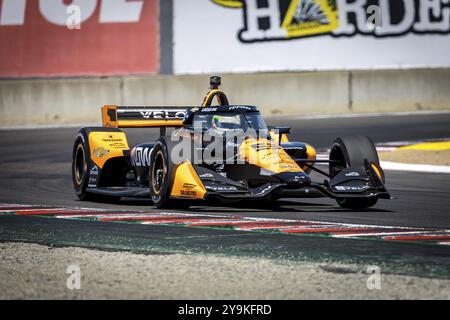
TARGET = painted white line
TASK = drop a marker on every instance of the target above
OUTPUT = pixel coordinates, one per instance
(386, 149)
(396, 166)
(359, 115)
(11, 205)
(24, 209)
(103, 216)
(322, 156)
(410, 142)
(397, 234)
(48, 126)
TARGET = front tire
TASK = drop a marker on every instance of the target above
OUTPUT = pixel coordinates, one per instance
(80, 171)
(353, 151)
(161, 172)
(80, 158)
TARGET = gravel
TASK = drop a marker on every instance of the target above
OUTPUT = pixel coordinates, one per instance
(440, 158)
(31, 271)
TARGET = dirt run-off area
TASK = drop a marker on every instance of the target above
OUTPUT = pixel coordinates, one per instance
(432, 157)
(32, 271)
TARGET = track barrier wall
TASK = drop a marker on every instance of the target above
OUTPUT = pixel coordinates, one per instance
(289, 57)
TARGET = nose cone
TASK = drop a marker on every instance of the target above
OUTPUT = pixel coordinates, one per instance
(294, 179)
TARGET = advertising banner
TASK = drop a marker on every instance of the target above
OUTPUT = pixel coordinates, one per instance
(55, 38)
(298, 35)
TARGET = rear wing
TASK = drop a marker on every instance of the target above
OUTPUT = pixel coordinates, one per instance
(143, 117)
(162, 117)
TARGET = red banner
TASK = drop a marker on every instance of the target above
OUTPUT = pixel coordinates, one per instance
(53, 38)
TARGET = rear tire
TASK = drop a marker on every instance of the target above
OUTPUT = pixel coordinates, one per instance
(353, 151)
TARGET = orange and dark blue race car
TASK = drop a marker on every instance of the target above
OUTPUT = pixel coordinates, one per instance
(217, 153)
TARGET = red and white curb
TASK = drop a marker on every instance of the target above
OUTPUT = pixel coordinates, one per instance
(250, 224)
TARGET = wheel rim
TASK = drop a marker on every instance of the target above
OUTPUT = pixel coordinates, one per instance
(79, 165)
(158, 173)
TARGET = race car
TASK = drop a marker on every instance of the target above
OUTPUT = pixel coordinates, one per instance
(217, 153)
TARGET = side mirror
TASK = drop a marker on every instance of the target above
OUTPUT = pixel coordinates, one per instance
(281, 131)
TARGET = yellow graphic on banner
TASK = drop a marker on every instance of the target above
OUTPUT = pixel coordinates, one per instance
(229, 3)
(310, 17)
(303, 18)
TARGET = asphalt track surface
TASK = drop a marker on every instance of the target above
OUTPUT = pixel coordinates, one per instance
(35, 169)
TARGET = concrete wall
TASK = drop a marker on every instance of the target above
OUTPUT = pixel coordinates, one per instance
(64, 101)
(53, 102)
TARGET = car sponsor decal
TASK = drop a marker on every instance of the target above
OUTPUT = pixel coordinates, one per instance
(141, 156)
(100, 152)
(161, 114)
